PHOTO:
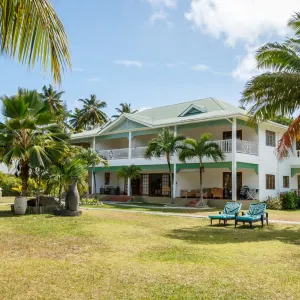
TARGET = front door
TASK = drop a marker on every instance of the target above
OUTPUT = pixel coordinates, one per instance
(227, 183)
(135, 186)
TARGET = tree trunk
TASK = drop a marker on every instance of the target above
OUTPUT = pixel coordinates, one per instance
(171, 179)
(94, 174)
(24, 177)
(201, 188)
(59, 194)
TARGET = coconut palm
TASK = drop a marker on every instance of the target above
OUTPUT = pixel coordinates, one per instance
(91, 114)
(75, 120)
(125, 108)
(166, 143)
(52, 98)
(200, 149)
(92, 159)
(29, 138)
(129, 172)
(31, 31)
(277, 92)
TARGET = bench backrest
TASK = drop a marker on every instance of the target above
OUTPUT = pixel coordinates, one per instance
(232, 208)
(257, 209)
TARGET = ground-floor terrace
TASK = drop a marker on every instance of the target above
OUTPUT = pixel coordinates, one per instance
(155, 182)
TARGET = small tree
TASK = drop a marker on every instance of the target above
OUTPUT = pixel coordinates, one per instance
(203, 148)
(129, 172)
(165, 143)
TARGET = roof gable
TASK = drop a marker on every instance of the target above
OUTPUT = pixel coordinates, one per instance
(193, 110)
(126, 125)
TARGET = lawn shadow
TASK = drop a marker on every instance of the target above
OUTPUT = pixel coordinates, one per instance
(218, 234)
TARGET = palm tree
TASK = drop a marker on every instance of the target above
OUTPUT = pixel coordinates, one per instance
(29, 138)
(75, 120)
(125, 108)
(166, 143)
(92, 159)
(129, 172)
(203, 148)
(32, 32)
(277, 92)
(91, 113)
(52, 98)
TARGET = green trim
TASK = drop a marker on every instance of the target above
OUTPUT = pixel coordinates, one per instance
(83, 140)
(145, 132)
(163, 167)
(112, 136)
(203, 124)
(246, 124)
(218, 165)
(244, 165)
(294, 171)
(127, 125)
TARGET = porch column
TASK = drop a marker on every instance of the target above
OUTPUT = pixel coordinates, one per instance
(233, 176)
(174, 171)
(129, 145)
(94, 148)
(128, 186)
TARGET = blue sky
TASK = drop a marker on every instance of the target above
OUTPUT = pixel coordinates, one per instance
(156, 52)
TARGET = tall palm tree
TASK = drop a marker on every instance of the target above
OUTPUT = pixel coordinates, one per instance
(125, 108)
(91, 113)
(129, 172)
(277, 92)
(31, 31)
(165, 143)
(75, 120)
(203, 148)
(92, 159)
(29, 138)
(52, 98)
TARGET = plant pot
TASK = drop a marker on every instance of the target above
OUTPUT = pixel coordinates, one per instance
(20, 205)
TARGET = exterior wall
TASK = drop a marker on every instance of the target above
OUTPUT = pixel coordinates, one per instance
(112, 144)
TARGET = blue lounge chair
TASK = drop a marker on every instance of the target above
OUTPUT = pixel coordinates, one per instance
(256, 213)
(231, 210)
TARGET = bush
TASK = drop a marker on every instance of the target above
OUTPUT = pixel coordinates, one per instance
(7, 182)
(89, 201)
(274, 203)
(289, 200)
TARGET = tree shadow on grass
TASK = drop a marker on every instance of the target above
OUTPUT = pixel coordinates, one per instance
(222, 235)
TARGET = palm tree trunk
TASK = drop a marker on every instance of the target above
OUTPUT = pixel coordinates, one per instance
(94, 174)
(171, 179)
(201, 187)
(24, 177)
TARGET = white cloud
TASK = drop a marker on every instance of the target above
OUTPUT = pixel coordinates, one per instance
(200, 68)
(161, 3)
(158, 15)
(77, 69)
(246, 67)
(241, 20)
(93, 79)
(129, 63)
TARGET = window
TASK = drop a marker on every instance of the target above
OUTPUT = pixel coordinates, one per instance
(286, 181)
(106, 178)
(145, 184)
(270, 138)
(270, 182)
(227, 135)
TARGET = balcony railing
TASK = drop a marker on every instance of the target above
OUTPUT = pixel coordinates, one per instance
(242, 146)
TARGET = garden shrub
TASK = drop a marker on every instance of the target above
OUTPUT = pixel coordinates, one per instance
(288, 200)
(7, 182)
(89, 201)
(274, 203)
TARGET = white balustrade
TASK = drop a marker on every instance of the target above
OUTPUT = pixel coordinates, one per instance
(114, 154)
(138, 152)
(225, 145)
(246, 147)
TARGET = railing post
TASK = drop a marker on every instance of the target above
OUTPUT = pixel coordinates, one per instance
(174, 171)
(233, 168)
(94, 148)
(129, 145)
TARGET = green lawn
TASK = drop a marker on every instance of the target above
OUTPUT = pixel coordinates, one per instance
(120, 255)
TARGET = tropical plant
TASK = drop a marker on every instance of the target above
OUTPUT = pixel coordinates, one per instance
(31, 31)
(92, 159)
(129, 172)
(75, 120)
(277, 92)
(166, 143)
(200, 149)
(52, 98)
(125, 108)
(29, 138)
(91, 114)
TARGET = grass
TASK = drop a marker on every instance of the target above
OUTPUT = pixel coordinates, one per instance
(116, 255)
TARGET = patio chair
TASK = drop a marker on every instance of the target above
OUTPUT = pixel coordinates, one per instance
(231, 210)
(256, 213)
(217, 193)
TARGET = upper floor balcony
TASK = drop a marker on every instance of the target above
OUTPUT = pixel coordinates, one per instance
(242, 146)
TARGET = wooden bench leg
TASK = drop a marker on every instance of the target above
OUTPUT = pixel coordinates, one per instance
(210, 222)
(235, 223)
(251, 225)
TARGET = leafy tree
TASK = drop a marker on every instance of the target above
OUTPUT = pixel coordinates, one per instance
(203, 148)
(129, 172)
(165, 143)
(76, 120)
(283, 120)
(31, 31)
(91, 114)
(29, 138)
(125, 108)
(92, 159)
(52, 98)
(277, 92)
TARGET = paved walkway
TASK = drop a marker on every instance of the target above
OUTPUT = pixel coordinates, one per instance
(182, 215)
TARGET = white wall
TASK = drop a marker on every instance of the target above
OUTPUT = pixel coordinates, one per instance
(120, 143)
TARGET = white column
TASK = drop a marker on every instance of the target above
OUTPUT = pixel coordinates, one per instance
(128, 187)
(233, 184)
(129, 145)
(174, 171)
(94, 148)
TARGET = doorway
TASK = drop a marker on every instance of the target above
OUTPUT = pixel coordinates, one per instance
(227, 135)
(155, 184)
(227, 184)
(136, 187)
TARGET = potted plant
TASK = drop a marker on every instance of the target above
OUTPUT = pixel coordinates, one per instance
(20, 203)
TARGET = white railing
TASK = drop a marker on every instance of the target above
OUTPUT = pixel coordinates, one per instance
(114, 153)
(138, 152)
(225, 145)
(247, 147)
